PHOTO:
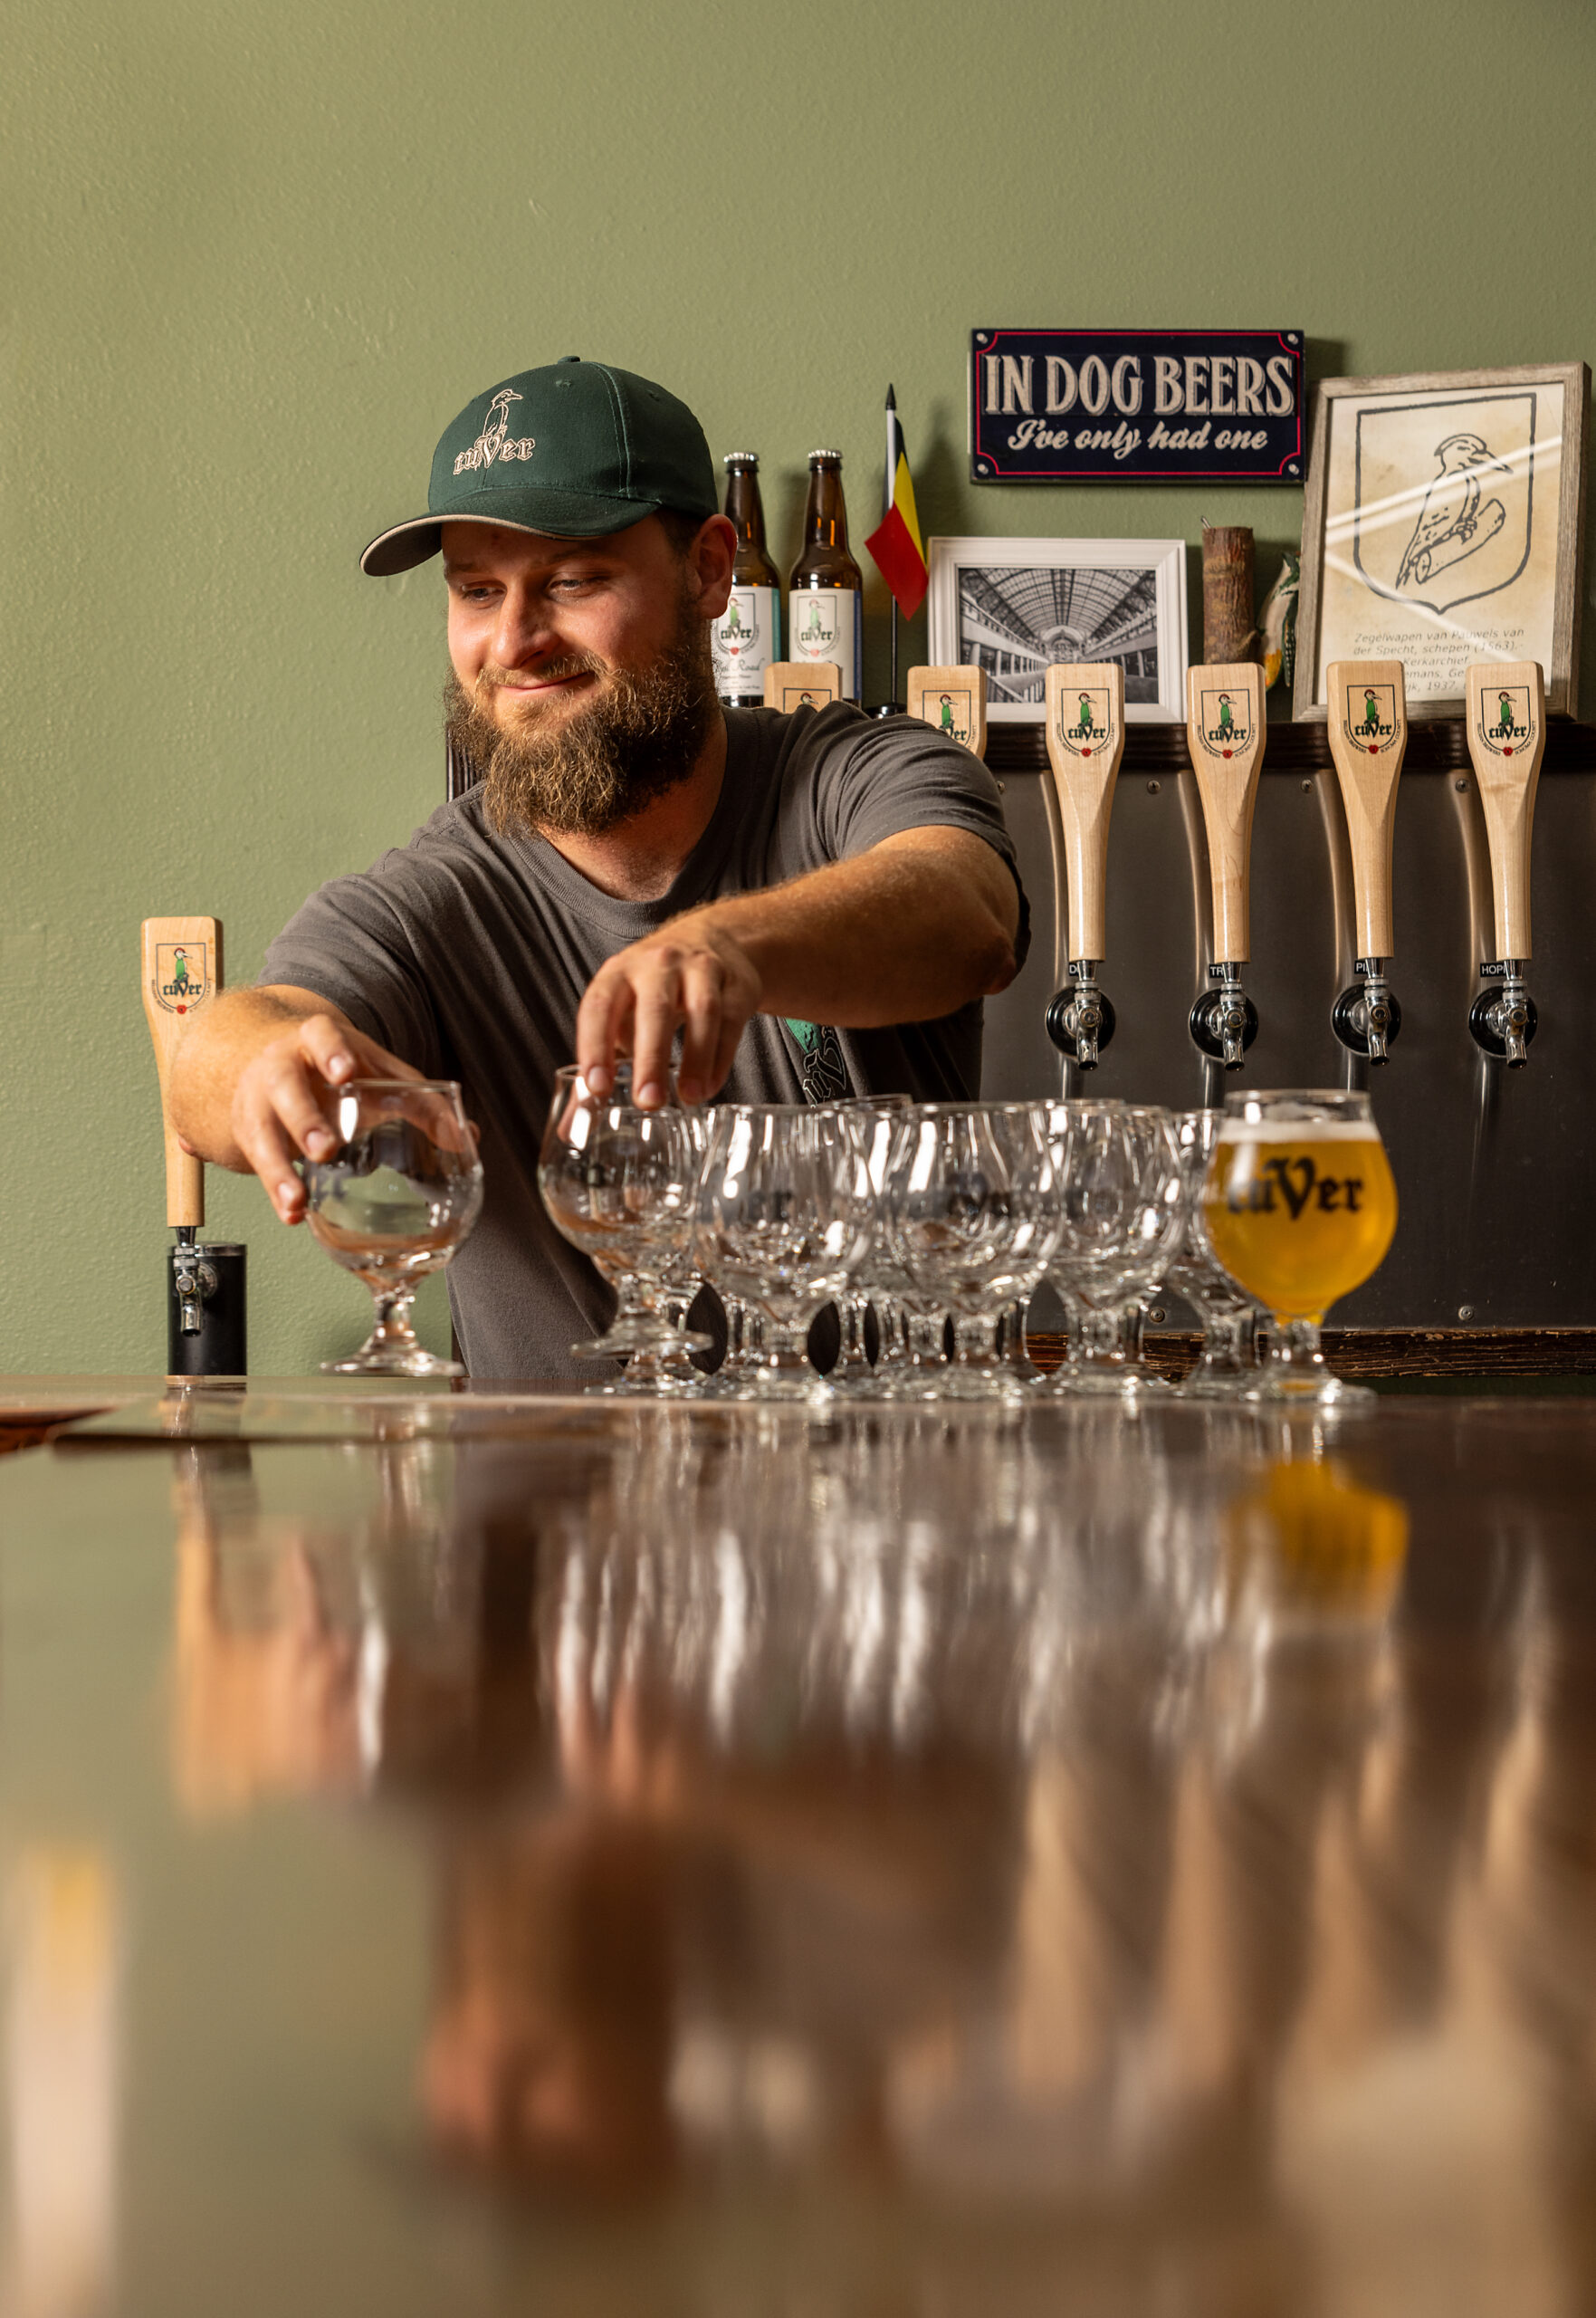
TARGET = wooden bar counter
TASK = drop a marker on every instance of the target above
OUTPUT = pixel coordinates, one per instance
(470, 1852)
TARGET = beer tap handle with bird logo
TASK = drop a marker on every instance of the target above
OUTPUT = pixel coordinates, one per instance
(1225, 734)
(952, 700)
(802, 684)
(1368, 739)
(182, 973)
(1505, 720)
(1085, 729)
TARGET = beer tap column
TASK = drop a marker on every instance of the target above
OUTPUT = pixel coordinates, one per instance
(206, 1283)
(1085, 742)
(1506, 726)
(1225, 735)
(1368, 739)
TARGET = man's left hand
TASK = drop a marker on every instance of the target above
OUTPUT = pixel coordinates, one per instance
(692, 975)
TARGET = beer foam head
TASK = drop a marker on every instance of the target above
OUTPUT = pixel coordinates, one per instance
(1311, 1116)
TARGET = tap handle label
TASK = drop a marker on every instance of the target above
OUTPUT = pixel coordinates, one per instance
(952, 700)
(1504, 720)
(1369, 720)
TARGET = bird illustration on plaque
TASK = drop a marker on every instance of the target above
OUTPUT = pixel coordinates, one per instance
(1442, 528)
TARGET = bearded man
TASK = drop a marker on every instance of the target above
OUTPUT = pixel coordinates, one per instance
(813, 903)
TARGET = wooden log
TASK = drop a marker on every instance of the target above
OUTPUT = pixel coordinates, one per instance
(1230, 630)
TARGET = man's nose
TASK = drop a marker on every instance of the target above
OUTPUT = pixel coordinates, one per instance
(524, 632)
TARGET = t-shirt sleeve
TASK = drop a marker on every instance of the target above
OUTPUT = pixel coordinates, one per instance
(348, 945)
(874, 780)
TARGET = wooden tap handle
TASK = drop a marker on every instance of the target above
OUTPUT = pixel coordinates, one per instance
(802, 684)
(954, 700)
(1086, 740)
(1506, 723)
(1225, 734)
(182, 973)
(1368, 739)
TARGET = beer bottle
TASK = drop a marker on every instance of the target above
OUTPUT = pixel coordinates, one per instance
(746, 638)
(826, 605)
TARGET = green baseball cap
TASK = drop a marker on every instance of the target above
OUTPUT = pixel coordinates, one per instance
(576, 449)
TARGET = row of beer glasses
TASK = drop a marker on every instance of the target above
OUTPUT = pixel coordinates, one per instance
(935, 1215)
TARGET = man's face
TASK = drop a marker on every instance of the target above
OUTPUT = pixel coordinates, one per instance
(581, 666)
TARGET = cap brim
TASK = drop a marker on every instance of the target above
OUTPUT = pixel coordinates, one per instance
(549, 514)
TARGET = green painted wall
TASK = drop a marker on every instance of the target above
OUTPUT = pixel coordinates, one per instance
(255, 258)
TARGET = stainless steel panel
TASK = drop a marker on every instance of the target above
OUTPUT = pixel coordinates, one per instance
(1490, 1163)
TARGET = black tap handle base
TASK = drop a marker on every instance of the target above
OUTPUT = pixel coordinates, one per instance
(206, 1310)
(1202, 1024)
(1353, 1034)
(1490, 1041)
(1059, 1029)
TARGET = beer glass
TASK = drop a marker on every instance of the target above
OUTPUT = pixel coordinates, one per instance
(618, 1184)
(784, 1218)
(972, 1214)
(393, 1204)
(1228, 1365)
(1300, 1208)
(1122, 1216)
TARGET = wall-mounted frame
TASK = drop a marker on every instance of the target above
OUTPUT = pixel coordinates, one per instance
(1444, 525)
(1014, 607)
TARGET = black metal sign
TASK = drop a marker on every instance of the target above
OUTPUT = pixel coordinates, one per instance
(1056, 406)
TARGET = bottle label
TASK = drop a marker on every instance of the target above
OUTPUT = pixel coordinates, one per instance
(825, 626)
(743, 642)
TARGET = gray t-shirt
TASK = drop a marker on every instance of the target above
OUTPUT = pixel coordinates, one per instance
(467, 955)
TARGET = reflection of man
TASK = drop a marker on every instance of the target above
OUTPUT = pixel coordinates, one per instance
(637, 863)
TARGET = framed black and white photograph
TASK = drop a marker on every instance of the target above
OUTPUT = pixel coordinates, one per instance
(1444, 525)
(1014, 607)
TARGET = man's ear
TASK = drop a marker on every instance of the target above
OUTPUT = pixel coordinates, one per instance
(710, 560)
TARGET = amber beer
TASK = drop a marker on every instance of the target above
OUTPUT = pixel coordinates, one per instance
(824, 604)
(747, 637)
(1300, 1209)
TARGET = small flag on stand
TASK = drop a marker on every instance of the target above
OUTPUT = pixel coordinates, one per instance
(896, 547)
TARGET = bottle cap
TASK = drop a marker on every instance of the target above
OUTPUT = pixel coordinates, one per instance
(815, 458)
(741, 459)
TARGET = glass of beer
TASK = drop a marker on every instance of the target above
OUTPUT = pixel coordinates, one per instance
(1300, 1208)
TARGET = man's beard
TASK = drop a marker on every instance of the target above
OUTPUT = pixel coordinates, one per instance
(638, 738)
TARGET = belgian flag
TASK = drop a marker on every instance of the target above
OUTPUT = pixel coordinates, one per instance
(895, 545)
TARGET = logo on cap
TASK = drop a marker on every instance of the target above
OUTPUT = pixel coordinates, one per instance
(495, 441)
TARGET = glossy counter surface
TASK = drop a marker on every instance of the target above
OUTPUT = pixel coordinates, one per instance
(712, 1864)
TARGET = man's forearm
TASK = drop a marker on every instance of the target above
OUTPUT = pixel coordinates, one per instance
(225, 1038)
(908, 931)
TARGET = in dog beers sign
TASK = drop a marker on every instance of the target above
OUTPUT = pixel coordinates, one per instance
(1048, 404)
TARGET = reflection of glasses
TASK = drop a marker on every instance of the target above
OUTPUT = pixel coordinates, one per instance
(1300, 1207)
(392, 1204)
(618, 1183)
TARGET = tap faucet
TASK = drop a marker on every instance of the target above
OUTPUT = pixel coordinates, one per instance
(1225, 731)
(1505, 721)
(1368, 741)
(1086, 726)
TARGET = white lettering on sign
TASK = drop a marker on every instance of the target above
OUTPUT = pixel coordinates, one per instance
(1282, 402)
(1249, 383)
(1061, 386)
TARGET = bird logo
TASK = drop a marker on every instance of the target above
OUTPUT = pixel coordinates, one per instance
(1506, 724)
(1222, 730)
(181, 975)
(1080, 729)
(1368, 717)
(1456, 520)
(495, 441)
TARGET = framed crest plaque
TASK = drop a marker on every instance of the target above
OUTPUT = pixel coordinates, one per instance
(1445, 525)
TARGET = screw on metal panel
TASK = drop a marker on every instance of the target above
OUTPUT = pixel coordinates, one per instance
(1154, 786)
(1308, 789)
(1460, 786)
(1465, 1311)
(1156, 1315)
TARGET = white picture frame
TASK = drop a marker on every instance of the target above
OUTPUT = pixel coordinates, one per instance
(1445, 524)
(1016, 605)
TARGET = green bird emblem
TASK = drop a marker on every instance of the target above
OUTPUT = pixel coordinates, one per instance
(1505, 721)
(1371, 715)
(1085, 727)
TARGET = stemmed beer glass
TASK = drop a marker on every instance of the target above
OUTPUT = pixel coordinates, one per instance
(392, 1204)
(1300, 1207)
(618, 1184)
(1228, 1365)
(784, 1215)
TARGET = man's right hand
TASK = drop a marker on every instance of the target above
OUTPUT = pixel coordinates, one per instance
(281, 1106)
(253, 1084)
